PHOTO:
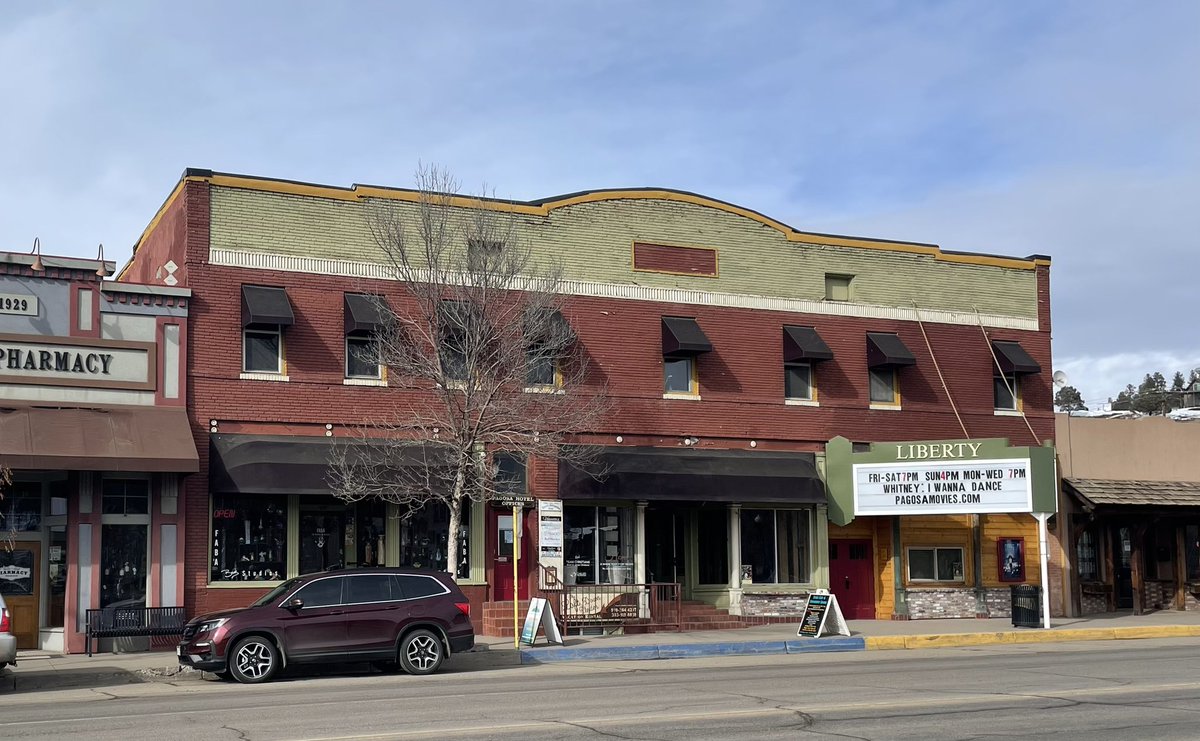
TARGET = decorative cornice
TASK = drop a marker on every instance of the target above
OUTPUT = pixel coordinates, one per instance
(377, 271)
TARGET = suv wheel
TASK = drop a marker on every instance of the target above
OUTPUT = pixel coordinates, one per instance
(254, 659)
(421, 652)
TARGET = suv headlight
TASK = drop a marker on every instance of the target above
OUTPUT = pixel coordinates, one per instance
(210, 625)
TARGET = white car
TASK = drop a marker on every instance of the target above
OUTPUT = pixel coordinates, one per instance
(8, 641)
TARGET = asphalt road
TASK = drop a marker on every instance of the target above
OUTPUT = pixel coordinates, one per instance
(1102, 690)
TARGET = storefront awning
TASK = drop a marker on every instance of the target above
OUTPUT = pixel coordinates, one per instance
(288, 464)
(668, 474)
(1013, 358)
(682, 336)
(130, 439)
(885, 348)
(804, 345)
(1111, 493)
(262, 305)
(363, 313)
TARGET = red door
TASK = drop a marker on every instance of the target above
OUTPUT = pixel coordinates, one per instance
(852, 578)
(502, 556)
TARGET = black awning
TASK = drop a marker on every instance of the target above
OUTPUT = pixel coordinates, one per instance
(262, 305)
(885, 348)
(1013, 358)
(803, 344)
(364, 313)
(294, 464)
(669, 474)
(543, 323)
(682, 336)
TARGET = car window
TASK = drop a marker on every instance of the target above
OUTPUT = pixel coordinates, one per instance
(419, 586)
(273, 595)
(369, 588)
(321, 593)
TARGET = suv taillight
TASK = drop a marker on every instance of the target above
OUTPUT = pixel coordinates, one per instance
(6, 626)
(464, 608)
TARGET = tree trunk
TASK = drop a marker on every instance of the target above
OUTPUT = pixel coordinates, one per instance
(455, 507)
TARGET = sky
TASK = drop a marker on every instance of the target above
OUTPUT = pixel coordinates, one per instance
(1069, 128)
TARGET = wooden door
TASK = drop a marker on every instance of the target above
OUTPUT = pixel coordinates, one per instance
(852, 578)
(20, 582)
(502, 556)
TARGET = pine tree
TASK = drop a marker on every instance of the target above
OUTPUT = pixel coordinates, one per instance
(1068, 399)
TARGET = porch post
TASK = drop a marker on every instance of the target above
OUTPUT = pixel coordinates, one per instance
(900, 606)
(639, 544)
(1135, 567)
(735, 559)
(1180, 568)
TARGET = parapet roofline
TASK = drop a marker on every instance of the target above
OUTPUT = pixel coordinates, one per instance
(543, 206)
(54, 261)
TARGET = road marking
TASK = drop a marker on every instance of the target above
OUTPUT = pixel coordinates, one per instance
(909, 704)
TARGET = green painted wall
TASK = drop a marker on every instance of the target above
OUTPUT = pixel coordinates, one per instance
(594, 242)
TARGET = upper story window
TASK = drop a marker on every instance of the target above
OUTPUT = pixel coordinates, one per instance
(1012, 362)
(547, 335)
(456, 330)
(266, 313)
(125, 497)
(364, 316)
(837, 287)
(803, 348)
(682, 341)
(886, 354)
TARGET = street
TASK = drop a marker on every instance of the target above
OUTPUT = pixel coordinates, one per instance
(1099, 690)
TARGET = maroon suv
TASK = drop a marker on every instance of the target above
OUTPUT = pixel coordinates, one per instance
(395, 618)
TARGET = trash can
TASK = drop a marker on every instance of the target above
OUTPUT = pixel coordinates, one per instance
(1026, 606)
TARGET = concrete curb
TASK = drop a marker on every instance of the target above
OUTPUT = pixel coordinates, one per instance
(690, 650)
(951, 640)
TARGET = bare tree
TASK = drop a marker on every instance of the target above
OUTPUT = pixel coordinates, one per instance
(481, 357)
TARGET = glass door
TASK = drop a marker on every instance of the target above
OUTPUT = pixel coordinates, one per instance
(123, 565)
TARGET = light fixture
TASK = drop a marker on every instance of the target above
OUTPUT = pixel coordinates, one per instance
(691, 440)
(37, 265)
(620, 439)
(100, 271)
(328, 426)
(754, 443)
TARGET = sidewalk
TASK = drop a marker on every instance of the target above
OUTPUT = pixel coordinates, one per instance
(38, 670)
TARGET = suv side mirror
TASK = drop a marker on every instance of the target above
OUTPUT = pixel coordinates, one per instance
(294, 604)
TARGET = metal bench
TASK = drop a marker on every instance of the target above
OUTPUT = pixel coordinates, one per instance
(120, 622)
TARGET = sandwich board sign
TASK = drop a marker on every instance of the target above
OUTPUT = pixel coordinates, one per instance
(822, 615)
(540, 615)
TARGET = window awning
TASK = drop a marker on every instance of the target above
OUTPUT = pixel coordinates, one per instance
(544, 323)
(130, 439)
(363, 313)
(262, 305)
(885, 348)
(295, 464)
(803, 344)
(682, 336)
(1013, 358)
(668, 474)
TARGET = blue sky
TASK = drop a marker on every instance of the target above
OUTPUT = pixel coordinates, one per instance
(1070, 129)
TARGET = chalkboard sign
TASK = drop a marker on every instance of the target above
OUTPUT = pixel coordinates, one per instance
(815, 611)
(822, 614)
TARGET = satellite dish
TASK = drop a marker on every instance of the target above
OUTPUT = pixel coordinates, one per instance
(1060, 379)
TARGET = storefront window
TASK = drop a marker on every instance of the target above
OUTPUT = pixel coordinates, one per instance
(371, 531)
(125, 497)
(775, 545)
(713, 523)
(423, 538)
(123, 565)
(58, 575)
(21, 507)
(935, 564)
(1086, 557)
(249, 538)
(598, 545)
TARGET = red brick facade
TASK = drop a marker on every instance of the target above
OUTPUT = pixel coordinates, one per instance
(740, 381)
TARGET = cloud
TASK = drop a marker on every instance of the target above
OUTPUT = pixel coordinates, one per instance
(1101, 377)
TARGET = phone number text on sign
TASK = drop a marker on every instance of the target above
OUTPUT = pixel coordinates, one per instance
(943, 487)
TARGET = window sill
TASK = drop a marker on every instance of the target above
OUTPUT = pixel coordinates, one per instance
(453, 385)
(802, 402)
(885, 407)
(684, 397)
(244, 584)
(1008, 413)
(919, 585)
(763, 588)
(364, 382)
(278, 377)
(547, 389)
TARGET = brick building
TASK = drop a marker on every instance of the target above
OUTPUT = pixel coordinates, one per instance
(735, 348)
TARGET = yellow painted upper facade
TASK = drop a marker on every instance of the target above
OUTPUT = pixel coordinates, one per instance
(592, 235)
